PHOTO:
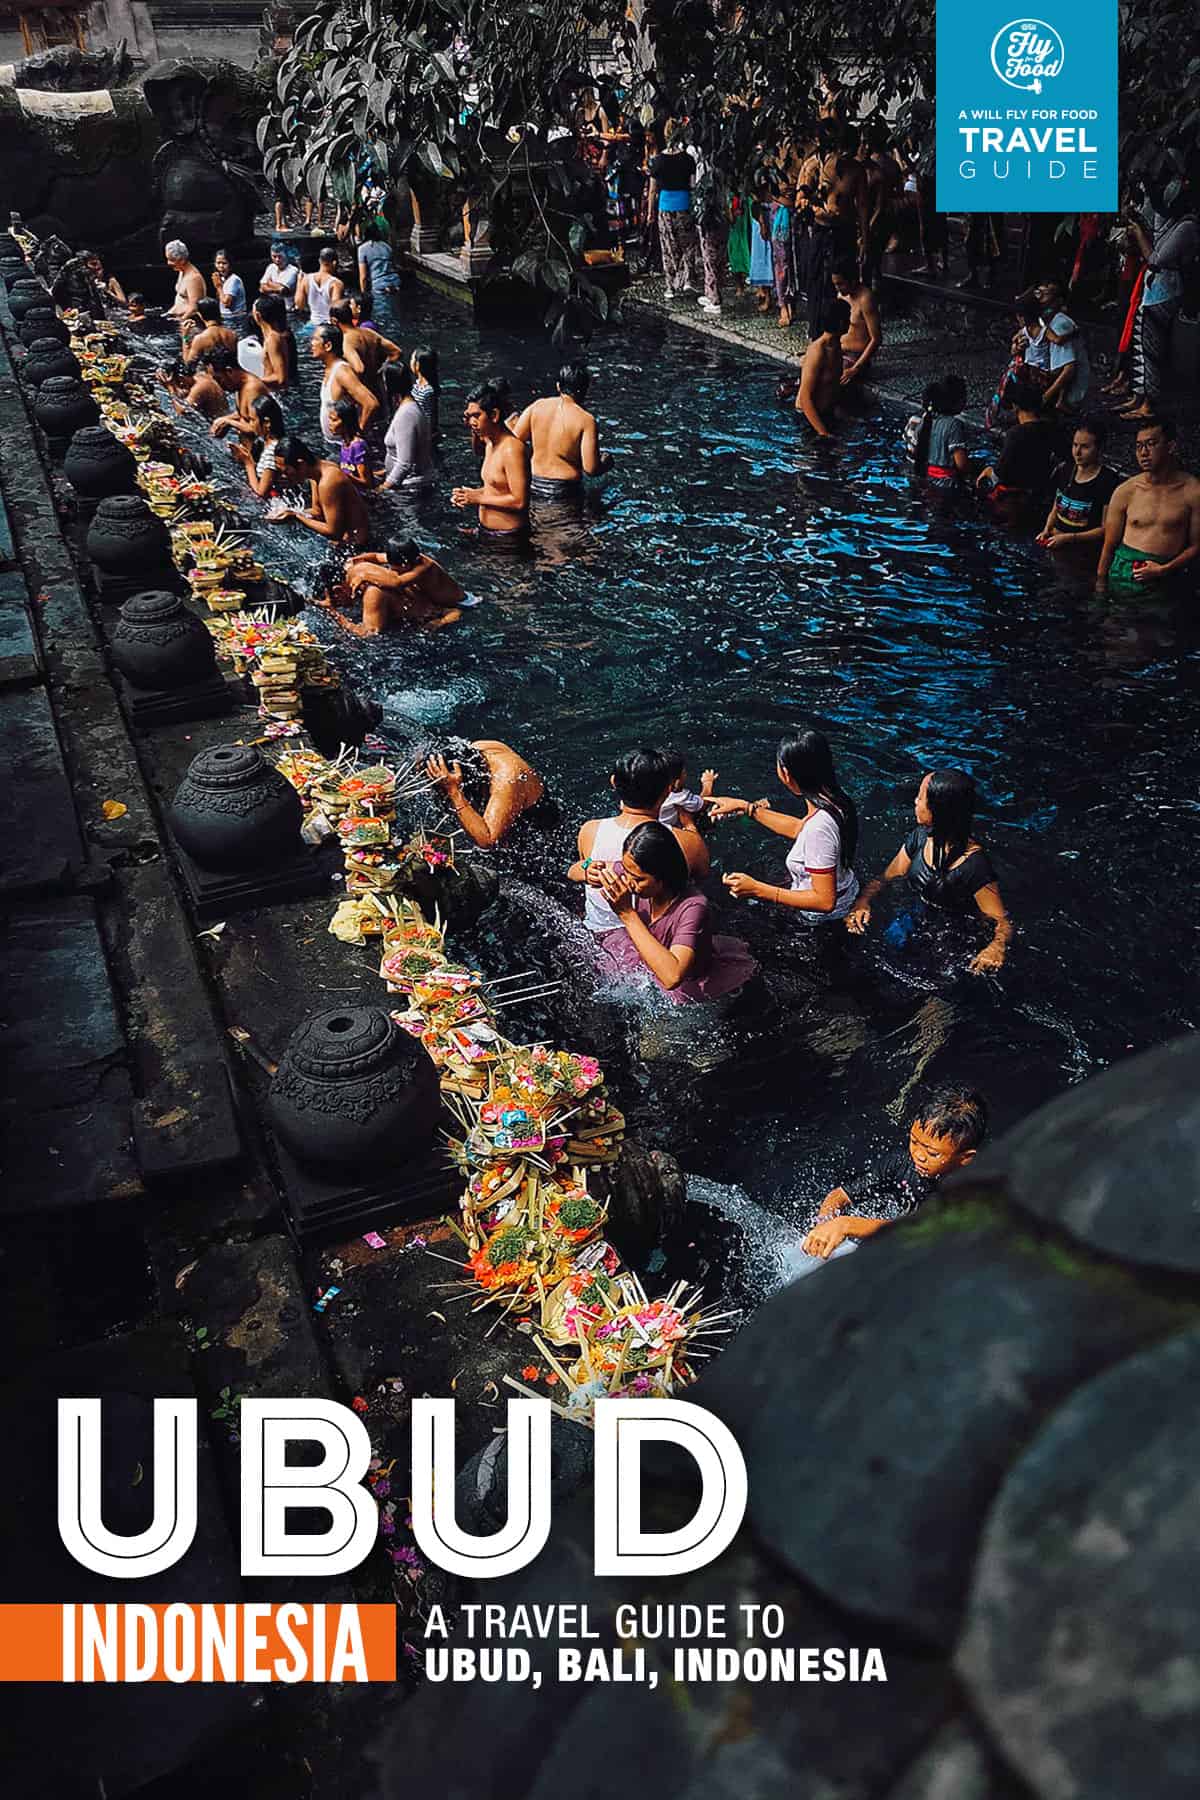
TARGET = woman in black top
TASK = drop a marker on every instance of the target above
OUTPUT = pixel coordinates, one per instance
(1023, 475)
(946, 866)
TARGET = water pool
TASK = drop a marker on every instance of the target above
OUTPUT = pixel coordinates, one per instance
(731, 582)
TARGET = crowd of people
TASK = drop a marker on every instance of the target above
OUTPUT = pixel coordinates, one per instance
(650, 902)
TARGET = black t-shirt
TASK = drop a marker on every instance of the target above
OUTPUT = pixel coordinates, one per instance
(1079, 505)
(954, 890)
(890, 1189)
(673, 170)
(1028, 458)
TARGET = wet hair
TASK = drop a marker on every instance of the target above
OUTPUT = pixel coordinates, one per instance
(835, 317)
(1158, 422)
(177, 251)
(327, 254)
(331, 335)
(1096, 428)
(1030, 312)
(477, 777)
(946, 397)
(1026, 398)
(208, 310)
(642, 777)
(678, 765)
(346, 414)
(808, 760)
(427, 365)
(950, 797)
(574, 378)
(848, 271)
(958, 1114)
(401, 553)
(657, 852)
(291, 451)
(342, 313)
(398, 381)
(492, 394)
(137, 299)
(217, 254)
(219, 360)
(269, 414)
(278, 248)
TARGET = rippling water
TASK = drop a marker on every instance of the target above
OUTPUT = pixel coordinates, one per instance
(732, 581)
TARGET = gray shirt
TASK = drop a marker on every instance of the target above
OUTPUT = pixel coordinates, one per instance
(407, 447)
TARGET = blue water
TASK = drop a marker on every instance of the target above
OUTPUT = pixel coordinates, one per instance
(733, 581)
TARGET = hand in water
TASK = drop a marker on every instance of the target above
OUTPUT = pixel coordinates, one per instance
(447, 775)
(723, 806)
(279, 509)
(858, 918)
(990, 958)
(617, 890)
(823, 1240)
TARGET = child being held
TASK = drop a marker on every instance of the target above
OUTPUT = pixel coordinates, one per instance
(944, 1136)
(681, 799)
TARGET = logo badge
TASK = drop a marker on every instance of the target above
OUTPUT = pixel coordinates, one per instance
(1027, 53)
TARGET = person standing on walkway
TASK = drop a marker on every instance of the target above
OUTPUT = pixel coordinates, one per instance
(1169, 247)
(672, 176)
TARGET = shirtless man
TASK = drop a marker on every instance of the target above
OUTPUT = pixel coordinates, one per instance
(270, 315)
(513, 787)
(844, 206)
(821, 370)
(364, 348)
(503, 499)
(565, 441)
(246, 389)
(336, 507)
(883, 188)
(864, 340)
(1152, 527)
(401, 586)
(338, 380)
(195, 387)
(189, 282)
(212, 335)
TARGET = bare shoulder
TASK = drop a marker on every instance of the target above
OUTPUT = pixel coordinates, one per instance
(1125, 490)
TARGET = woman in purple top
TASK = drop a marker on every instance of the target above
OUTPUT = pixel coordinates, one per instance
(666, 922)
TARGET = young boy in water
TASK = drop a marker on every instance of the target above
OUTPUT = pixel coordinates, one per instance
(944, 1136)
(681, 799)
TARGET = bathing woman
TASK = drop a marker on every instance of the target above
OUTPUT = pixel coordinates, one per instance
(821, 883)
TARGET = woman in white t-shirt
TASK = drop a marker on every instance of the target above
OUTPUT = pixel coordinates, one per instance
(821, 883)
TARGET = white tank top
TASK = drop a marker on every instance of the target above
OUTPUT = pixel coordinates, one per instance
(327, 403)
(609, 842)
(318, 300)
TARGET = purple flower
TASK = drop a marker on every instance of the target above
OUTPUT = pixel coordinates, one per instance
(382, 1489)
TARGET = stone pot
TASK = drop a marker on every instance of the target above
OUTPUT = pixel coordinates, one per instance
(25, 294)
(354, 1092)
(233, 811)
(40, 322)
(11, 272)
(98, 465)
(63, 406)
(46, 357)
(160, 644)
(129, 544)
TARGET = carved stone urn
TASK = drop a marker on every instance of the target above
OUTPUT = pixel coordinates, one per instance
(42, 322)
(233, 812)
(98, 465)
(27, 292)
(159, 644)
(48, 357)
(63, 406)
(353, 1092)
(130, 548)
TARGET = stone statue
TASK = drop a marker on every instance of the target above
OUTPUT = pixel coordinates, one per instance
(171, 155)
(66, 70)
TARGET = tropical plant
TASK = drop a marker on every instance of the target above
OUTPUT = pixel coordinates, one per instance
(458, 100)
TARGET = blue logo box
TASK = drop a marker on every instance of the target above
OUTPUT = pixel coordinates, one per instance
(1026, 106)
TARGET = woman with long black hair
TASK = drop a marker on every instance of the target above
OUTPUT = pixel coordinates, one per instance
(945, 864)
(666, 926)
(821, 881)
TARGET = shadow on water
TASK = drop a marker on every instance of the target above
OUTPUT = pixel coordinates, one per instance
(730, 582)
